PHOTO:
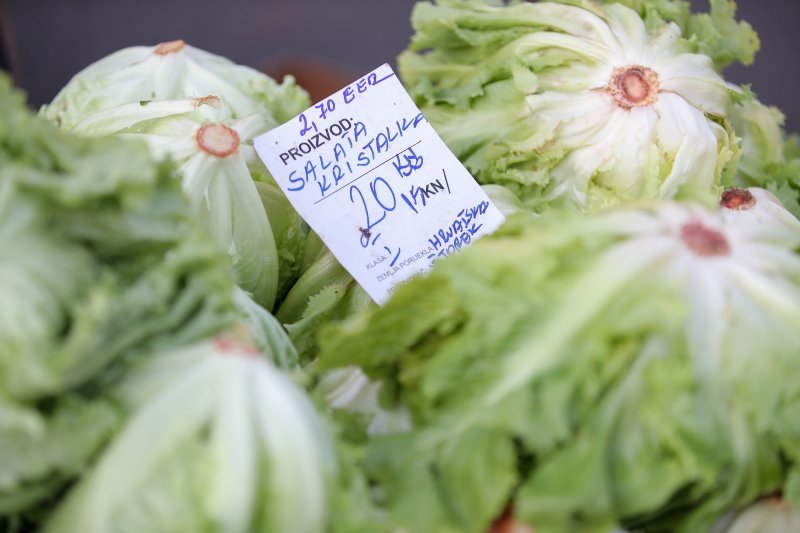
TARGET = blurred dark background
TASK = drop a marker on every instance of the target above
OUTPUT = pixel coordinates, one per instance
(324, 43)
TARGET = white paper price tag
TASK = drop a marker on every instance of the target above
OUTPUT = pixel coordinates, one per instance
(376, 183)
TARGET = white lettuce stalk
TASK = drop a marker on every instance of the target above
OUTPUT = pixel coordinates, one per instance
(169, 71)
(268, 334)
(351, 390)
(770, 515)
(216, 163)
(219, 440)
(570, 105)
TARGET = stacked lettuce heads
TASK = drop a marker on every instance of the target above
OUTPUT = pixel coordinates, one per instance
(619, 356)
(140, 388)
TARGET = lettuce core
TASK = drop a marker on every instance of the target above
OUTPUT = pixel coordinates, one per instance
(218, 140)
(634, 86)
(169, 47)
(738, 199)
(582, 105)
(704, 241)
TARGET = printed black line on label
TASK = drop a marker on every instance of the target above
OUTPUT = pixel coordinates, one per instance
(376, 167)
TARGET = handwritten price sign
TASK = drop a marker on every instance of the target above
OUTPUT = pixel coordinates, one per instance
(374, 181)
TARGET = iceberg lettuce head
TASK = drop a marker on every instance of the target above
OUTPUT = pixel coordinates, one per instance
(584, 105)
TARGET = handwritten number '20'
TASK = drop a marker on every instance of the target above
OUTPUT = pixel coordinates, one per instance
(385, 203)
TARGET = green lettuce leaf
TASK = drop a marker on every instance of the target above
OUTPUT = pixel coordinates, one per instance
(42, 449)
(716, 33)
(100, 266)
(323, 293)
(290, 232)
(719, 35)
(133, 272)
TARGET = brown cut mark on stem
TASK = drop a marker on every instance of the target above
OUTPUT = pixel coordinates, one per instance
(737, 199)
(169, 47)
(704, 241)
(217, 139)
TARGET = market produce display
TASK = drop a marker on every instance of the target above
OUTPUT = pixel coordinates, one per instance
(179, 352)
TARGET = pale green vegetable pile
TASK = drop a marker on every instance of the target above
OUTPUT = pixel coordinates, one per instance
(140, 388)
(180, 353)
